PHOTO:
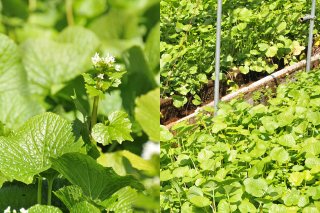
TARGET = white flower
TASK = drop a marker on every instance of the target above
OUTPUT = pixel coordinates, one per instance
(100, 76)
(149, 149)
(7, 210)
(109, 59)
(117, 67)
(23, 210)
(95, 59)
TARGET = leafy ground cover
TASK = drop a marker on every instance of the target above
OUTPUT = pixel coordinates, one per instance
(257, 37)
(79, 124)
(262, 158)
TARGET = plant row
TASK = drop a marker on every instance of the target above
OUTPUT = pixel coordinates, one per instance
(257, 36)
(263, 158)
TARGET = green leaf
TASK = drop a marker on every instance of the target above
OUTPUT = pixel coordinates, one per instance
(179, 101)
(70, 195)
(282, 26)
(152, 47)
(277, 208)
(287, 140)
(44, 209)
(269, 123)
(84, 207)
(147, 113)
(61, 60)
(200, 201)
(166, 175)
(256, 187)
(165, 134)
(95, 181)
(89, 9)
(17, 195)
(118, 129)
(272, 51)
(291, 197)
(244, 69)
(218, 127)
(246, 206)
(27, 152)
(139, 79)
(296, 178)
(314, 117)
(138, 162)
(311, 146)
(14, 8)
(16, 104)
(312, 162)
(125, 198)
(280, 155)
(263, 46)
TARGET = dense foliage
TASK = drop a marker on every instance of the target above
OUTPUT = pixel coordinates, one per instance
(257, 36)
(76, 136)
(263, 158)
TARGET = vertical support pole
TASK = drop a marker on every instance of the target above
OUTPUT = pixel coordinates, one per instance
(217, 58)
(313, 11)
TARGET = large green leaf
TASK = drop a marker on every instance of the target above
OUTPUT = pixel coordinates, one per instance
(152, 48)
(16, 105)
(118, 129)
(27, 152)
(200, 201)
(256, 187)
(139, 79)
(280, 155)
(17, 195)
(84, 207)
(147, 114)
(125, 199)
(70, 195)
(50, 64)
(95, 181)
(44, 209)
(246, 206)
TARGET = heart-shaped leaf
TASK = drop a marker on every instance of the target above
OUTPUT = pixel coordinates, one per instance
(256, 187)
(96, 181)
(15, 102)
(27, 152)
(51, 63)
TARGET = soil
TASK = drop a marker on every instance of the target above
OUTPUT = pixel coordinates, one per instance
(170, 114)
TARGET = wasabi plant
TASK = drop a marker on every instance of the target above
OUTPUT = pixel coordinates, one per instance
(106, 74)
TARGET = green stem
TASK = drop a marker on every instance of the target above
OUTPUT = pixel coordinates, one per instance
(112, 147)
(39, 198)
(50, 183)
(69, 12)
(94, 112)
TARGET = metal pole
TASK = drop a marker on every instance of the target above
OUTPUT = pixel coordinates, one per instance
(313, 11)
(217, 60)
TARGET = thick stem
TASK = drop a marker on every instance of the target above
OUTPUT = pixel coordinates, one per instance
(50, 183)
(69, 12)
(94, 111)
(39, 197)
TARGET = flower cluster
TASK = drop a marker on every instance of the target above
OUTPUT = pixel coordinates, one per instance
(107, 61)
(8, 210)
